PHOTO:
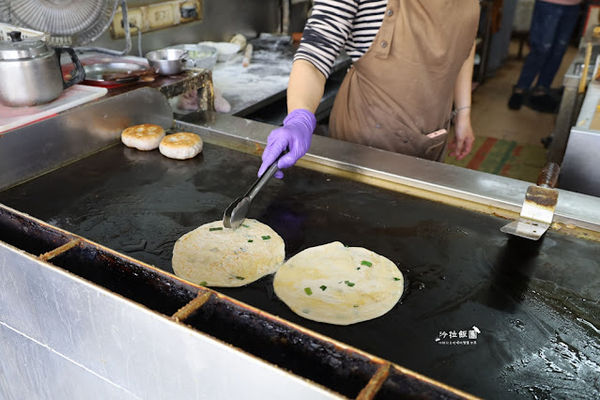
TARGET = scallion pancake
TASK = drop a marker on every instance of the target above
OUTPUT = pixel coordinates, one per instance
(213, 255)
(339, 285)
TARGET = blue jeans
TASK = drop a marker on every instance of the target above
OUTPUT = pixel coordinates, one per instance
(551, 29)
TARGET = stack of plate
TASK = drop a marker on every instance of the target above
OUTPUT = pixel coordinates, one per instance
(226, 50)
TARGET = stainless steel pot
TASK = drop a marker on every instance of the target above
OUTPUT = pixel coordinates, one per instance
(30, 72)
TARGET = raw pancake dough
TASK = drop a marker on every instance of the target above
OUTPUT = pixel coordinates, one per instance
(212, 255)
(181, 145)
(143, 137)
(339, 285)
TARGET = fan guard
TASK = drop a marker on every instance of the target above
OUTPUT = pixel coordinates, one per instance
(68, 22)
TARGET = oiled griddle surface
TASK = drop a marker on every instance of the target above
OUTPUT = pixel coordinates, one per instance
(536, 304)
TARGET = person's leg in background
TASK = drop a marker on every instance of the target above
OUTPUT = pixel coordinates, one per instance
(567, 24)
(544, 25)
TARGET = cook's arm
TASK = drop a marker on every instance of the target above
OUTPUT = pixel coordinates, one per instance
(305, 88)
(462, 142)
(324, 35)
(304, 93)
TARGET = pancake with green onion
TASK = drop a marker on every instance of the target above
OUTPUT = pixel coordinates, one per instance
(213, 255)
(339, 285)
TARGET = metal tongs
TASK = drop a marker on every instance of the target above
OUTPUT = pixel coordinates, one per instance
(237, 211)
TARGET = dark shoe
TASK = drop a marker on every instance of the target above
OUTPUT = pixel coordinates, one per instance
(516, 100)
(546, 141)
(544, 103)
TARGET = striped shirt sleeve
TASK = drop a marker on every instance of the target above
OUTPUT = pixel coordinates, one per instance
(366, 24)
(326, 33)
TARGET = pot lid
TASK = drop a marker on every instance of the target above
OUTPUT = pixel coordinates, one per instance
(22, 49)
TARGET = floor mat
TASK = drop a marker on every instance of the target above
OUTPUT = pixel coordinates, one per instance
(504, 157)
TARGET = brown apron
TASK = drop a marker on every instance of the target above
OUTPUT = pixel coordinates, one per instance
(402, 88)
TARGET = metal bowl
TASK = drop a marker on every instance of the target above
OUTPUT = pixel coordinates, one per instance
(198, 56)
(167, 61)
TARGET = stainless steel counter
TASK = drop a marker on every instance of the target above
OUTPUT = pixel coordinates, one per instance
(579, 171)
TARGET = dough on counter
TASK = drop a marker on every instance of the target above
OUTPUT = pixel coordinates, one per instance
(181, 145)
(339, 285)
(213, 255)
(143, 137)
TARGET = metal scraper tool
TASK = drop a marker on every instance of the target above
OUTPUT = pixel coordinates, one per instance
(538, 208)
(237, 211)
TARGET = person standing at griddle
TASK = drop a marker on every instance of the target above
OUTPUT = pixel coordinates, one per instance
(412, 61)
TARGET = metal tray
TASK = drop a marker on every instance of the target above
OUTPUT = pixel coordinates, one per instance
(95, 72)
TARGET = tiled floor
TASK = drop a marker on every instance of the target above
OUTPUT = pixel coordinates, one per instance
(490, 115)
(504, 157)
(508, 141)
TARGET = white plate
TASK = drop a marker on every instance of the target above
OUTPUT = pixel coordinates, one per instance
(225, 50)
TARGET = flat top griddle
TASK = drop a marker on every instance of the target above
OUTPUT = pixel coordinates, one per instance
(535, 303)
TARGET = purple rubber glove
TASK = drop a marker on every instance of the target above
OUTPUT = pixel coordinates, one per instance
(295, 135)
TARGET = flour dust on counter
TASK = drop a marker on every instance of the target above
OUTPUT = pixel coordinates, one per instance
(244, 86)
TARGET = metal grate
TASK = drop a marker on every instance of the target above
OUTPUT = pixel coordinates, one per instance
(330, 364)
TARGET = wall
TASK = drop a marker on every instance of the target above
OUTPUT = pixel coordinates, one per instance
(501, 39)
(222, 19)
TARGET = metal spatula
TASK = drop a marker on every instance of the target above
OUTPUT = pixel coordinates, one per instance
(237, 211)
(538, 208)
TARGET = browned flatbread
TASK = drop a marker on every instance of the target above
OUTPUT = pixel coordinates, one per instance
(143, 137)
(181, 145)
